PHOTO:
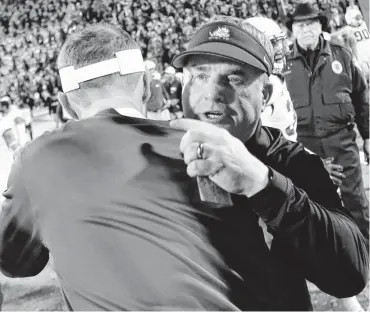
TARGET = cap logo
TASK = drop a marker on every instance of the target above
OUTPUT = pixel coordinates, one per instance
(220, 33)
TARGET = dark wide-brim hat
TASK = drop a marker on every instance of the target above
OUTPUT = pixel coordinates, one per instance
(305, 11)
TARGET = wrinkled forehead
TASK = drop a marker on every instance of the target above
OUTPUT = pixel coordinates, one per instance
(308, 21)
(211, 63)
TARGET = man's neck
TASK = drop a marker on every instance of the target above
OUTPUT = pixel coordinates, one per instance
(113, 102)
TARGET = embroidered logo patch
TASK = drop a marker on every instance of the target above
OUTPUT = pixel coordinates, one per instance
(337, 67)
(220, 33)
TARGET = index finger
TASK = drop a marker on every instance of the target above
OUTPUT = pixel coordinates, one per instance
(198, 131)
(186, 124)
(336, 167)
(200, 136)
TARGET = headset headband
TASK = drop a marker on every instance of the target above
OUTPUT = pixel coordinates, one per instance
(126, 62)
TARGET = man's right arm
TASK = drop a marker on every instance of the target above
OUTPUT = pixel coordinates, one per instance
(22, 253)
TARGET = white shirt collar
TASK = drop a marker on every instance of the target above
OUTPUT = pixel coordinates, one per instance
(130, 112)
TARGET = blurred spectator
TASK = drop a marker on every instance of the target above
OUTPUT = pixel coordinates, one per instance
(173, 92)
(54, 103)
(355, 36)
(352, 10)
(25, 112)
(156, 101)
(337, 20)
(14, 124)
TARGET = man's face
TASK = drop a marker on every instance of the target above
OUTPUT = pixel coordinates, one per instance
(307, 32)
(223, 92)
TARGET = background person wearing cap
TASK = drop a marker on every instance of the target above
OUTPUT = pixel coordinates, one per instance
(226, 68)
(330, 96)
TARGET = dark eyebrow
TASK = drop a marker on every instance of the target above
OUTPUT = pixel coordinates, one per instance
(237, 72)
(200, 67)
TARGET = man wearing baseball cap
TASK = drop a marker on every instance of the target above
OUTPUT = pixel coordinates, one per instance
(226, 67)
(118, 206)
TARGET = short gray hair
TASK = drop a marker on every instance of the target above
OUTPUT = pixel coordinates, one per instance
(97, 43)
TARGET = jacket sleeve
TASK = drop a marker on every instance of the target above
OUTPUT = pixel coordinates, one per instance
(360, 100)
(22, 252)
(312, 232)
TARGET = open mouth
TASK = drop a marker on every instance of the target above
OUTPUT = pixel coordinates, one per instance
(212, 116)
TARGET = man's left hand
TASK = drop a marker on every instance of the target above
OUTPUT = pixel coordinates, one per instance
(226, 161)
(335, 171)
(366, 150)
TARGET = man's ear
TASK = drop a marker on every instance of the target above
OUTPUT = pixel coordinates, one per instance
(267, 92)
(146, 82)
(63, 100)
(186, 76)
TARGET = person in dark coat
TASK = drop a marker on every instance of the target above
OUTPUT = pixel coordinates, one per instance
(330, 96)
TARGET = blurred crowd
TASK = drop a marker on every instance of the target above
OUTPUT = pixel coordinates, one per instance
(34, 30)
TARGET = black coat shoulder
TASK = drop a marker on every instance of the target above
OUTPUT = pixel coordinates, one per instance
(341, 50)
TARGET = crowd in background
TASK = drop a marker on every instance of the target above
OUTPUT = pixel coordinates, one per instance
(33, 31)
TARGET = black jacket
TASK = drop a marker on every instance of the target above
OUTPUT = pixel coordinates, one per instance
(110, 198)
(330, 97)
